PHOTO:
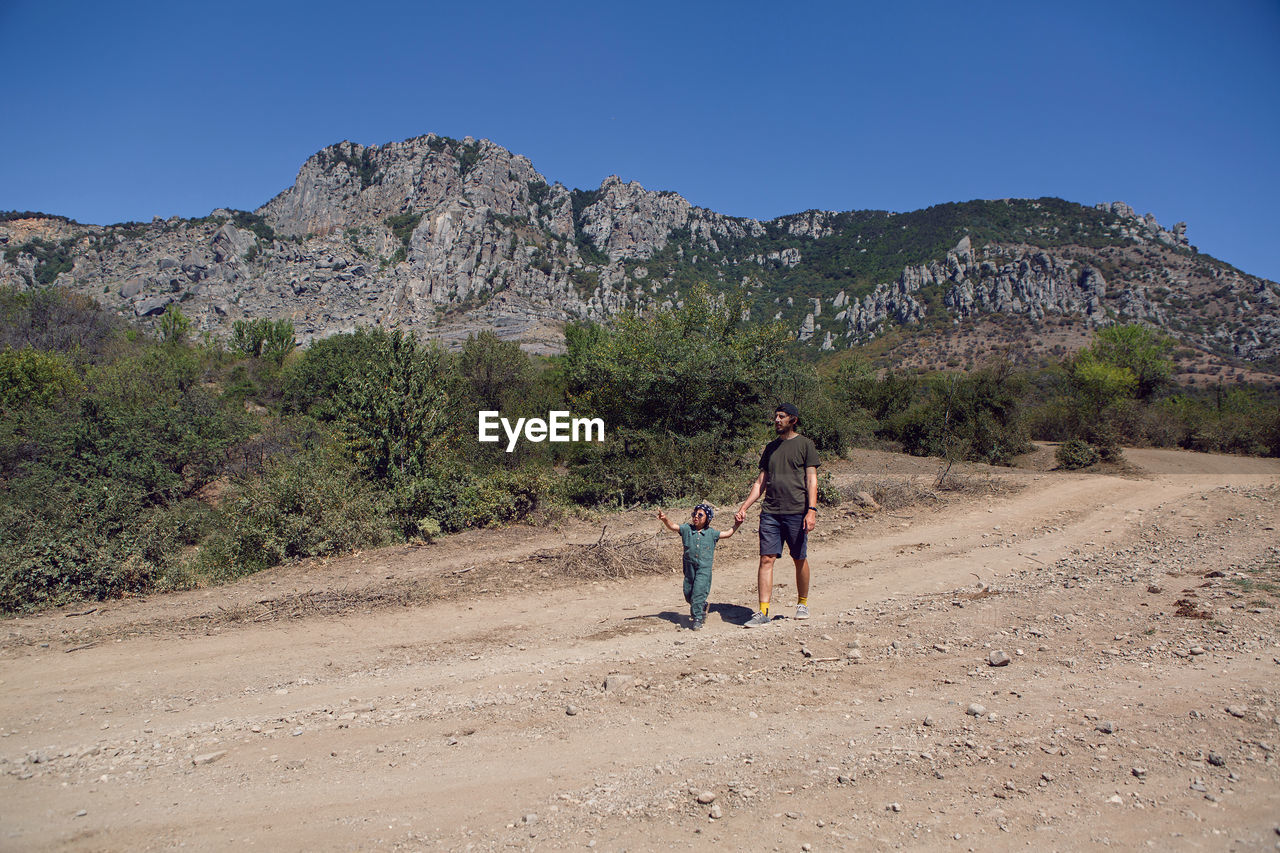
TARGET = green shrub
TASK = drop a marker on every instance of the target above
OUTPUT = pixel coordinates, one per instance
(826, 416)
(55, 320)
(316, 383)
(313, 504)
(829, 493)
(30, 377)
(975, 416)
(448, 499)
(174, 325)
(500, 375)
(394, 406)
(271, 339)
(52, 566)
(402, 226)
(1076, 453)
(636, 467)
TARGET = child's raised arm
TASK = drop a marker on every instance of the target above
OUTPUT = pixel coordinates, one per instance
(725, 534)
(671, 525)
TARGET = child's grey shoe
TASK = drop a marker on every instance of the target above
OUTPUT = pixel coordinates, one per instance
(697, 625)
(757, 619)
(802, 611)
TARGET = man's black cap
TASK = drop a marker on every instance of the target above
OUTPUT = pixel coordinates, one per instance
(789, 409)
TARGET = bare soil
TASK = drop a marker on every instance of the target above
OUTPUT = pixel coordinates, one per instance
(522, 688)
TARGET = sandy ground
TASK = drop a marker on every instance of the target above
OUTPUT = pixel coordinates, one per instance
(465, 695)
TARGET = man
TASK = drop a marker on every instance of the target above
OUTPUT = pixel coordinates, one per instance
(789, 482)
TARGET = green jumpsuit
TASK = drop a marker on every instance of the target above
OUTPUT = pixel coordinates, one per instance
(699, 549)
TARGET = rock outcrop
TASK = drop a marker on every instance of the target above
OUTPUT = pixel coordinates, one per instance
(446, 237)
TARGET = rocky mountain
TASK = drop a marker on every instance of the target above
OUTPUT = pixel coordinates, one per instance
(446, 237)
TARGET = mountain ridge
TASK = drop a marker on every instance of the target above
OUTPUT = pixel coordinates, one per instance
(446, 237)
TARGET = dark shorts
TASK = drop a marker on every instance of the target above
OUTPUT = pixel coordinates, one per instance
(776, 529)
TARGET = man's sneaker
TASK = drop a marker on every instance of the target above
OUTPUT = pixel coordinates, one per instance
(802, 612)
(697, 625)
(757, 619)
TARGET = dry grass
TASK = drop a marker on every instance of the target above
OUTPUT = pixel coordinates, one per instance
(328, 602)
(976, 484)
(605, 559)
(890, 492)
(893, 493)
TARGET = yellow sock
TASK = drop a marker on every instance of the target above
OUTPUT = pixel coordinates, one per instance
(764, 608)
(803, 602)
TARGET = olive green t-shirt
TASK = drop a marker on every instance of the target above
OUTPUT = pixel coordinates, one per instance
(783, 463)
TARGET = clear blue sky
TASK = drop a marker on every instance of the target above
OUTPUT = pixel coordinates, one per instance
(128, 110)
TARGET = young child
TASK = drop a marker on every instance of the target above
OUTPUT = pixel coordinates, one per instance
(699, 549)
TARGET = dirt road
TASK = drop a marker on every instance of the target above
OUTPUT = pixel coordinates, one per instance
(330, 707)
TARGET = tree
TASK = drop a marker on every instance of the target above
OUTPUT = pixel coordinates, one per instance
(681, 391)
(395, 405)
(317, 381)
(697, 369)
(174, 325)
(500, 374)
(1138, 349)
(976, 416)
(1099, 391)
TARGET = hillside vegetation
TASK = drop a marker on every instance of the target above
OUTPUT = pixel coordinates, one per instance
(132, 462)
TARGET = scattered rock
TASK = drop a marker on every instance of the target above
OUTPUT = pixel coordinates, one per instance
(1237, 711)
(998, 658)
(571, 710)
(1107, 727)
(208, 757)
(715, 813)
(1196, 650)
(895, 807)
(706, 797)
(1139, 772)
(863, 499)
(617, 681)
(1216, 760)
(530, 819)
(975, 710)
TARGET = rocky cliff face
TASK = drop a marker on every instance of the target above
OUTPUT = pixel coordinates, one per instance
(446, 237)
